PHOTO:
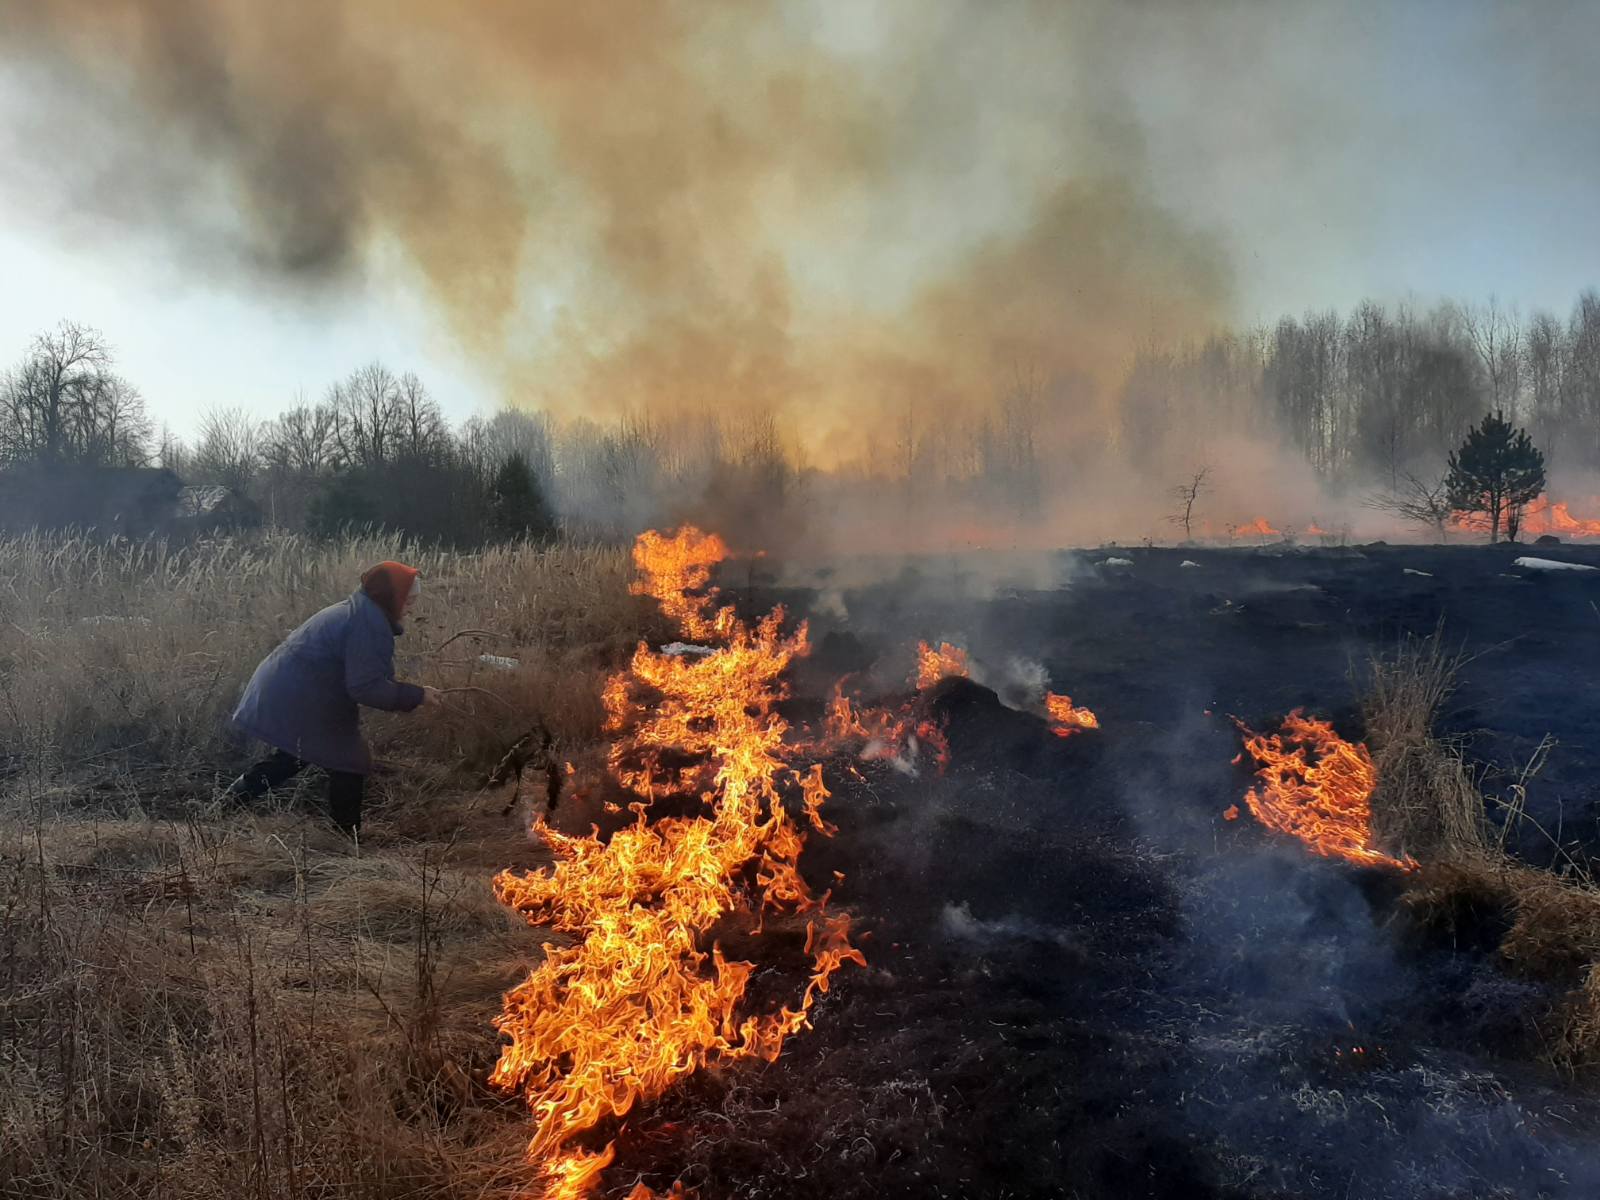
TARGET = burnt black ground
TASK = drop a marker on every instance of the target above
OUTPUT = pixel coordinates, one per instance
(1083, 982)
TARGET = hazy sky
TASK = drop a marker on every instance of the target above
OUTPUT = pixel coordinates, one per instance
(1324, 152)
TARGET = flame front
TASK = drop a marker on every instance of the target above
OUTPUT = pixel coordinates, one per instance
(1067, 718)
(1317, 787)
(1542, 515)
(945, 662)
(635, 1001)
(1260, 527)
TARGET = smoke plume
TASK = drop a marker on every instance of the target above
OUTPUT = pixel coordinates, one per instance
(831, 213)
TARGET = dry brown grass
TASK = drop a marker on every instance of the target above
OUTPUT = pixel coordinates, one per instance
(133, 655)
(1427, 803)
(1546, 924)
(245, 1007)
(204, 1001)
(1547, 927)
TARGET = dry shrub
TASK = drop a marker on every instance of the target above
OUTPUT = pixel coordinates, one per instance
(1575, 1027)
(1545, 927)
(1427, 803)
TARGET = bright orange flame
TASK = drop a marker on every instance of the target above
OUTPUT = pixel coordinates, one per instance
(1260, 527)
(634, 1001)
(1317, 787)
(1066, 718)
(1315, 530)
(675, 571)
(943, 663)
(1541, 516)
(895, 737)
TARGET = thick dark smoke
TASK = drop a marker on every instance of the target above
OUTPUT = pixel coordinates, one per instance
(286, 141)
(918, 240)
(827, 212)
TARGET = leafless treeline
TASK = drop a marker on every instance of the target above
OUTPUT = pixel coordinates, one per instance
(1369, 398)
(1382, 392)
(63, 403)
(376, 447)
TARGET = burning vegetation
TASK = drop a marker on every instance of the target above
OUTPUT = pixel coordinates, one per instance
(1050, 939)
(1317, 787)
(639, 994)
(643, 995)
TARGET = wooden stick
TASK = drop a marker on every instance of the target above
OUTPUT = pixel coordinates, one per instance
(470, 633)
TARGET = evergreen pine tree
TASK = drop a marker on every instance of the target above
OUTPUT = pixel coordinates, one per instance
(517, 504)
(1496, 471)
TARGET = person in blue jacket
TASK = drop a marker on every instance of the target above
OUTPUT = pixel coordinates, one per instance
(304, 699)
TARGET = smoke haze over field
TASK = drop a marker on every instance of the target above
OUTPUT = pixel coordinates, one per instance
(764, 205)
(853, 218)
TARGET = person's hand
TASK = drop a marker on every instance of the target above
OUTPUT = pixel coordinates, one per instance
(430, 695)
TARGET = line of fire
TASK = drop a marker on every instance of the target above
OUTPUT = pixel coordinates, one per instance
(709, 813)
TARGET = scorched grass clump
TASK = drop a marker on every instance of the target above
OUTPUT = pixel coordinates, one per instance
(1546, 923)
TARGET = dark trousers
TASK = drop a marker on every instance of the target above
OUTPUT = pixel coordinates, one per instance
(345, 789)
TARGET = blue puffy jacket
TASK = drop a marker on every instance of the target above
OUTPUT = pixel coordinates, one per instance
(304, 696)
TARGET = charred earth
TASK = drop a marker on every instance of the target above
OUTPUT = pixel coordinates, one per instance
(1083, 981)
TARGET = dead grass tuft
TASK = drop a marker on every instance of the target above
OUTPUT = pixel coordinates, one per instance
(1427, 803)
(1544, 925)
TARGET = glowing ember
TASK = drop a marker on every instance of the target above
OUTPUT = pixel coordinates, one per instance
(943, 663)
(1317, 787)
(1066, 718)
(634, 1000)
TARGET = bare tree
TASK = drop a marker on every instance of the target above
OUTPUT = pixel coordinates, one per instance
(301, 441)
(366, 415)
(1424, 502)
(1496, 337)
(420, 433)
(487, 444)
(63, 404)
(171, 453)
(1186, 495)
(229, 450)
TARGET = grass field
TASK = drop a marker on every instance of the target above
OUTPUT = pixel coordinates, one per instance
(202, 1000)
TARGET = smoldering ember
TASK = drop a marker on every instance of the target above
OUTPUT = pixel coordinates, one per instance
(799, 599)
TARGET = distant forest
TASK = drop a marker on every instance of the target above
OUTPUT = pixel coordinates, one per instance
(1381, 391)
(1365, 398)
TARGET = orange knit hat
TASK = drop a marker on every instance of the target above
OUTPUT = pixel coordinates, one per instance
(389, 583)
